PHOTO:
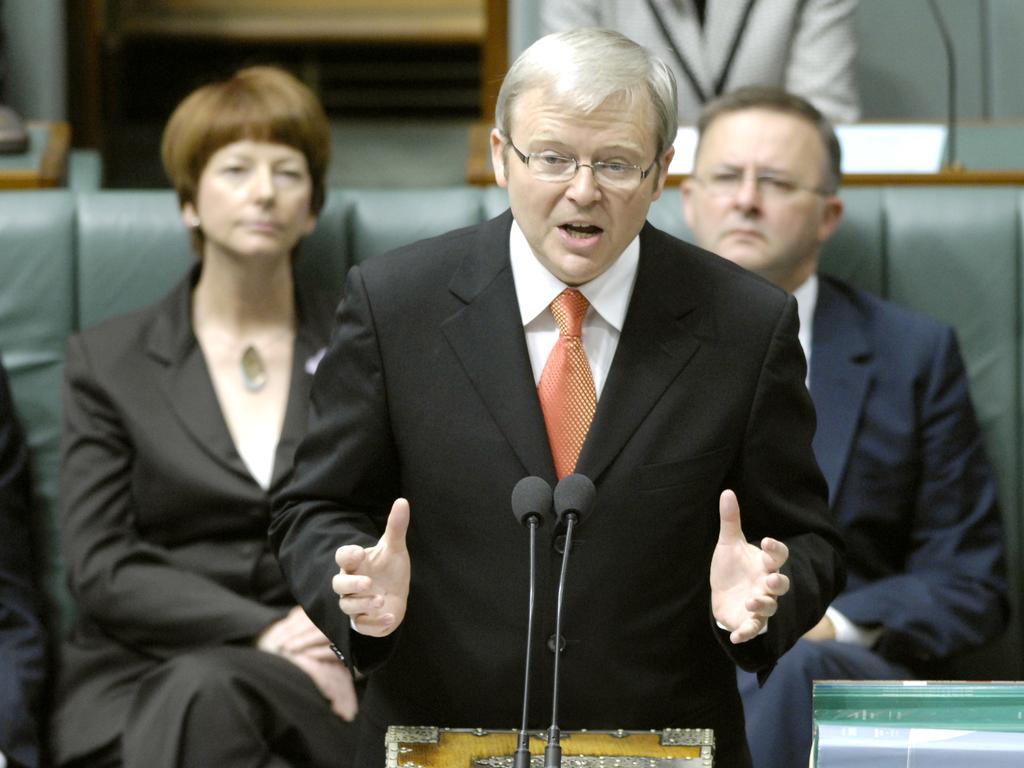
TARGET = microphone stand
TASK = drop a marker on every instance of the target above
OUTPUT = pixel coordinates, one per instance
(531, 503)
(522, 754)
(553, 750)
(947, 43)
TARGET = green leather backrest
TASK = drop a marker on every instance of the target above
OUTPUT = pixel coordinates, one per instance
(380, 220)
(133, 246)
(954, 253)
(36, 316)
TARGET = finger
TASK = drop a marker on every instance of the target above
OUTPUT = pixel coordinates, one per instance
(343, 694)
(776, 584)
(367, 605)
(730, 531)
(763, 607)
(748, 630)
(345, 584)
(398, 525)
(269, 640)
(344, 707)
(295, 622)
(320, 653)
(348, 711)
(350, 557)
(306, 638)
(374, 626)
(285, 639)
(776, 553)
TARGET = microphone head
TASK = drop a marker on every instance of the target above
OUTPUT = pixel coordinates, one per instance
(574, 494)
(531, 498)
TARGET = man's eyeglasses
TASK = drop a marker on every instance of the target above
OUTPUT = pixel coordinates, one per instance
(771, 186)
(551, 166)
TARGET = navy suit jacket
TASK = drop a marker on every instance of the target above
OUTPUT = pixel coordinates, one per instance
(22, 645)
(909, 482)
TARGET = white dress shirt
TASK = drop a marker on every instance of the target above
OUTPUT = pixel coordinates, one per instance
(608, 294)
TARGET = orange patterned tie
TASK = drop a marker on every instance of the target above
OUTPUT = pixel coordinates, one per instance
(566, 389)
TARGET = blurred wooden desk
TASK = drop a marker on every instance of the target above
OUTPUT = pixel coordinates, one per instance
(43, 164)
(302, 21)
(985, 148)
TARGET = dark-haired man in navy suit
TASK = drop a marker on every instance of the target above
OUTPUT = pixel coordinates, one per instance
(22, 646)
(897, 438)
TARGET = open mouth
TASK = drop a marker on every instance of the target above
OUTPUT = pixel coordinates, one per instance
(581, 231)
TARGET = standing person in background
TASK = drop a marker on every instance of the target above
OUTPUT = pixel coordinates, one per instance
(22, 641)
(909, 483)
(180, 422)
(555, 339)
(807, 47)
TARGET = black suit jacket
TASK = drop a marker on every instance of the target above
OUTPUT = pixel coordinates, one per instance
(22, 643)
(427, 392)
(910, 485)
(163, 528)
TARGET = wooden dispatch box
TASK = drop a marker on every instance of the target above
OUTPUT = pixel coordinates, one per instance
(433, 747)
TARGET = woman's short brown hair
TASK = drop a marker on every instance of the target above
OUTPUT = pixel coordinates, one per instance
(257, 103)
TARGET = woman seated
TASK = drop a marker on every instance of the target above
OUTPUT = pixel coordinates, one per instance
(180, 422)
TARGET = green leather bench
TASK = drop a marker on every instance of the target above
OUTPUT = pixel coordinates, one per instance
(72, 259)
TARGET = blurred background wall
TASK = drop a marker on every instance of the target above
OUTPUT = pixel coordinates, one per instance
(78, 60)
(36, 81)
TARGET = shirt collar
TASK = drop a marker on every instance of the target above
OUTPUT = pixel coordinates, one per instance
(806, 296)
(536, 287)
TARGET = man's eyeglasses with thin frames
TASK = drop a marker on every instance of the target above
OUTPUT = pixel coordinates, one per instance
(770, 185)
(553, 167)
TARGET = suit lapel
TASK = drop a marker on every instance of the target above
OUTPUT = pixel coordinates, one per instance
(310, 342)
(487, 336)
(188, 389)
(660, 335)
(185, 383)
(840, 378)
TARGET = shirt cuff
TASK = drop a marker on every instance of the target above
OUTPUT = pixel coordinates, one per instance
(725, 628)
(848, 632)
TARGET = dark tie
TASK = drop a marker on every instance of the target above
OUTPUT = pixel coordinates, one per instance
(566, 389)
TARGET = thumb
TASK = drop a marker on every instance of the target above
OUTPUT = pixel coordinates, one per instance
(398, 525)
(730, 530)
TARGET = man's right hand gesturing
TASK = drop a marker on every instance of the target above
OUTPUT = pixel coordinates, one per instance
(373, 582)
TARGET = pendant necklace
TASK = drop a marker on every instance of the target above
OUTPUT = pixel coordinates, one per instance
(252, 366)
(254, 370)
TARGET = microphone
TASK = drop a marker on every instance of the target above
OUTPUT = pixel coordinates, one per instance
(573, 498)
(947, 43)
(531, 503)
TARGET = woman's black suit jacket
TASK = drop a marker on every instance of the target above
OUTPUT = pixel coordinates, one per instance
(163, 527)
